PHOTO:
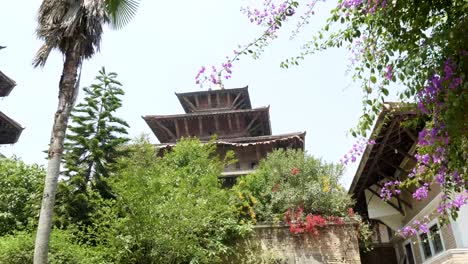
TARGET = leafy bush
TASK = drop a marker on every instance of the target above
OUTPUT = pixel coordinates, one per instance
(175, 210)
(20, 196)
(19, 249)
(289, 179)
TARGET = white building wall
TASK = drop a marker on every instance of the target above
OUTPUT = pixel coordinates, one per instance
(460, 228)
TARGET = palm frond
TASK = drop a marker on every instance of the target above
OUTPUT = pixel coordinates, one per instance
(77, 25)
(41, 55)
(121, 11)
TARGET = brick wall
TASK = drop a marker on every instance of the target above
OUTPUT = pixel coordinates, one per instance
(335, 244)
(448, 237)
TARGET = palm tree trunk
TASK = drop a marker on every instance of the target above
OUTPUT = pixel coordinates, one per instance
(68, 88)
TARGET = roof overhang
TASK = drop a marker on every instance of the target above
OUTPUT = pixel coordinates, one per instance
(156, 122)
(296, 137)
(394, 144)
(10, 130)
(387, 124)
(202, 114)
(6, 85)
(391, 157)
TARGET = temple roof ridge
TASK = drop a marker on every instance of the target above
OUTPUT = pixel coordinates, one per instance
(215, 100)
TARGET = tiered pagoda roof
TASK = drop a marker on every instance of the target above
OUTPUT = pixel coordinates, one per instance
(226, 113)
(9, 129)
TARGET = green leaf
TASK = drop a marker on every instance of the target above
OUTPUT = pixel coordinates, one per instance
(384, 91)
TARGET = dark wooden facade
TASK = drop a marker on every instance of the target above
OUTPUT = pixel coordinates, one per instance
(228, 115)
(10, 130)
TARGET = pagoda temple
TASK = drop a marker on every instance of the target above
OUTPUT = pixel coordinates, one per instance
(10, 130)
(228, 115)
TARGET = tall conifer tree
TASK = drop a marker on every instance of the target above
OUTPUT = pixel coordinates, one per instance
(96, 136)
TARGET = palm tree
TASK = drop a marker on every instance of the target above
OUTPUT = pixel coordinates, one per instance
(75, 28)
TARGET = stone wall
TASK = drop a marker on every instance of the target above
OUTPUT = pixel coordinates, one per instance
(334, 244)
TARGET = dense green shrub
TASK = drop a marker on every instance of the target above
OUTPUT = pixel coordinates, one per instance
(291, 179)
(174, 209)
(19, 249)
(20, 195)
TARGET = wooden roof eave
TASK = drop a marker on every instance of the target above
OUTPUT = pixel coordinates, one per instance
(365, 157)
(395, 109)
(18, 129)
(246, 141)
(6, 85)
(205, 114)
(11, 121)
(155, 121)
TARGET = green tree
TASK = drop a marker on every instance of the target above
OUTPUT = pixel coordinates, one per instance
(20, 195)
(94, 142)
(175, 208)
(96, 136)
(74, 28)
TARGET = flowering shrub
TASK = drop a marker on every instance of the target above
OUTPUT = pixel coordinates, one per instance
(245, 203)
(298, 225)
(438, 161)
(291, 180)
(300, 190)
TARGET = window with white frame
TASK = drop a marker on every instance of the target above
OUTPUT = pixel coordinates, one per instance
(409, 257)
(431, 243)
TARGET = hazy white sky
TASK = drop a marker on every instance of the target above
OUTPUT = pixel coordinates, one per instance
(159, 53)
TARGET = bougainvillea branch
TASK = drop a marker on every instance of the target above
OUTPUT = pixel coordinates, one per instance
(421, 48)
(271, 17)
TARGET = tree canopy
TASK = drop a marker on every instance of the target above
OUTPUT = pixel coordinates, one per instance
(21, 186)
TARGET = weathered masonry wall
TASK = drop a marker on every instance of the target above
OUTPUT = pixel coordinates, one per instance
(335, 244)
